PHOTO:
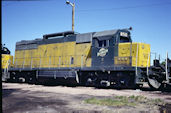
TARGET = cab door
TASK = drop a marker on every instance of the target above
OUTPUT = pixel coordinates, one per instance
(102, 52)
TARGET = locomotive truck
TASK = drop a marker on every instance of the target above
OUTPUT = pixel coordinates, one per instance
(107, 58)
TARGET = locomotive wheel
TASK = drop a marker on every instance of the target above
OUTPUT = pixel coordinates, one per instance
(91, 81)
(154, 83)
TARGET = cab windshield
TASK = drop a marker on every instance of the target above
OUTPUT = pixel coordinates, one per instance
(124, 39)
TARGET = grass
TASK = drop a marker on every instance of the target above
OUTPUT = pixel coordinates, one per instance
(124, 101)
(108, 102)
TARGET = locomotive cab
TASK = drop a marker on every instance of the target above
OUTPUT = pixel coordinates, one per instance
(120, 59)
(105, 46)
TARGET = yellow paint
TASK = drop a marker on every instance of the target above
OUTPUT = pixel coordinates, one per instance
(55, 55)
(70, 54)
(83, 55)
(124, 49)
(7, 61)
(122, 61)
(129, 50)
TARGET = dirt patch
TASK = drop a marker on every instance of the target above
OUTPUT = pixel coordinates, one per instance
(22, 98)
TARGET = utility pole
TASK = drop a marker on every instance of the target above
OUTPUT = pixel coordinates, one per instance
(73, 12)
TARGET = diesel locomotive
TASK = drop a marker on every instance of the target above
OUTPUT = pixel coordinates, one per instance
(107, 58)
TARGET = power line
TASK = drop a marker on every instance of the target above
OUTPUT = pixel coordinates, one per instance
(127, 7)
(9, 2)
(21, 0)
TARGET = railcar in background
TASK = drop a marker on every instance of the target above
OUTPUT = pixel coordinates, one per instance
(6, 62)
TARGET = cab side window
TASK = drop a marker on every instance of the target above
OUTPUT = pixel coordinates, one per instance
(103, 43)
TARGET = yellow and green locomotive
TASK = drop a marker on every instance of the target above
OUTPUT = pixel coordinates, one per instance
(106, 58)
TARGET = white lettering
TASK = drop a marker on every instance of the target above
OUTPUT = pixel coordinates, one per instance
(123, 34)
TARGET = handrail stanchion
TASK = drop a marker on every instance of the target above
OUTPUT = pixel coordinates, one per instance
(147, 64)
(167, 77)
(136, 72)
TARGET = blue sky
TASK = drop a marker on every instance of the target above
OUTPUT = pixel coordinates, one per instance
(150, 19)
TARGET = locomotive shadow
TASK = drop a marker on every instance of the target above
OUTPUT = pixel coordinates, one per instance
(17, 100)
(59, 82)
(7, 92)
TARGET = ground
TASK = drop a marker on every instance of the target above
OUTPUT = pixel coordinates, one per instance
(27, 98)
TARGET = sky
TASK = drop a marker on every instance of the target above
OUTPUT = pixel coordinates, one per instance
(31, 19)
